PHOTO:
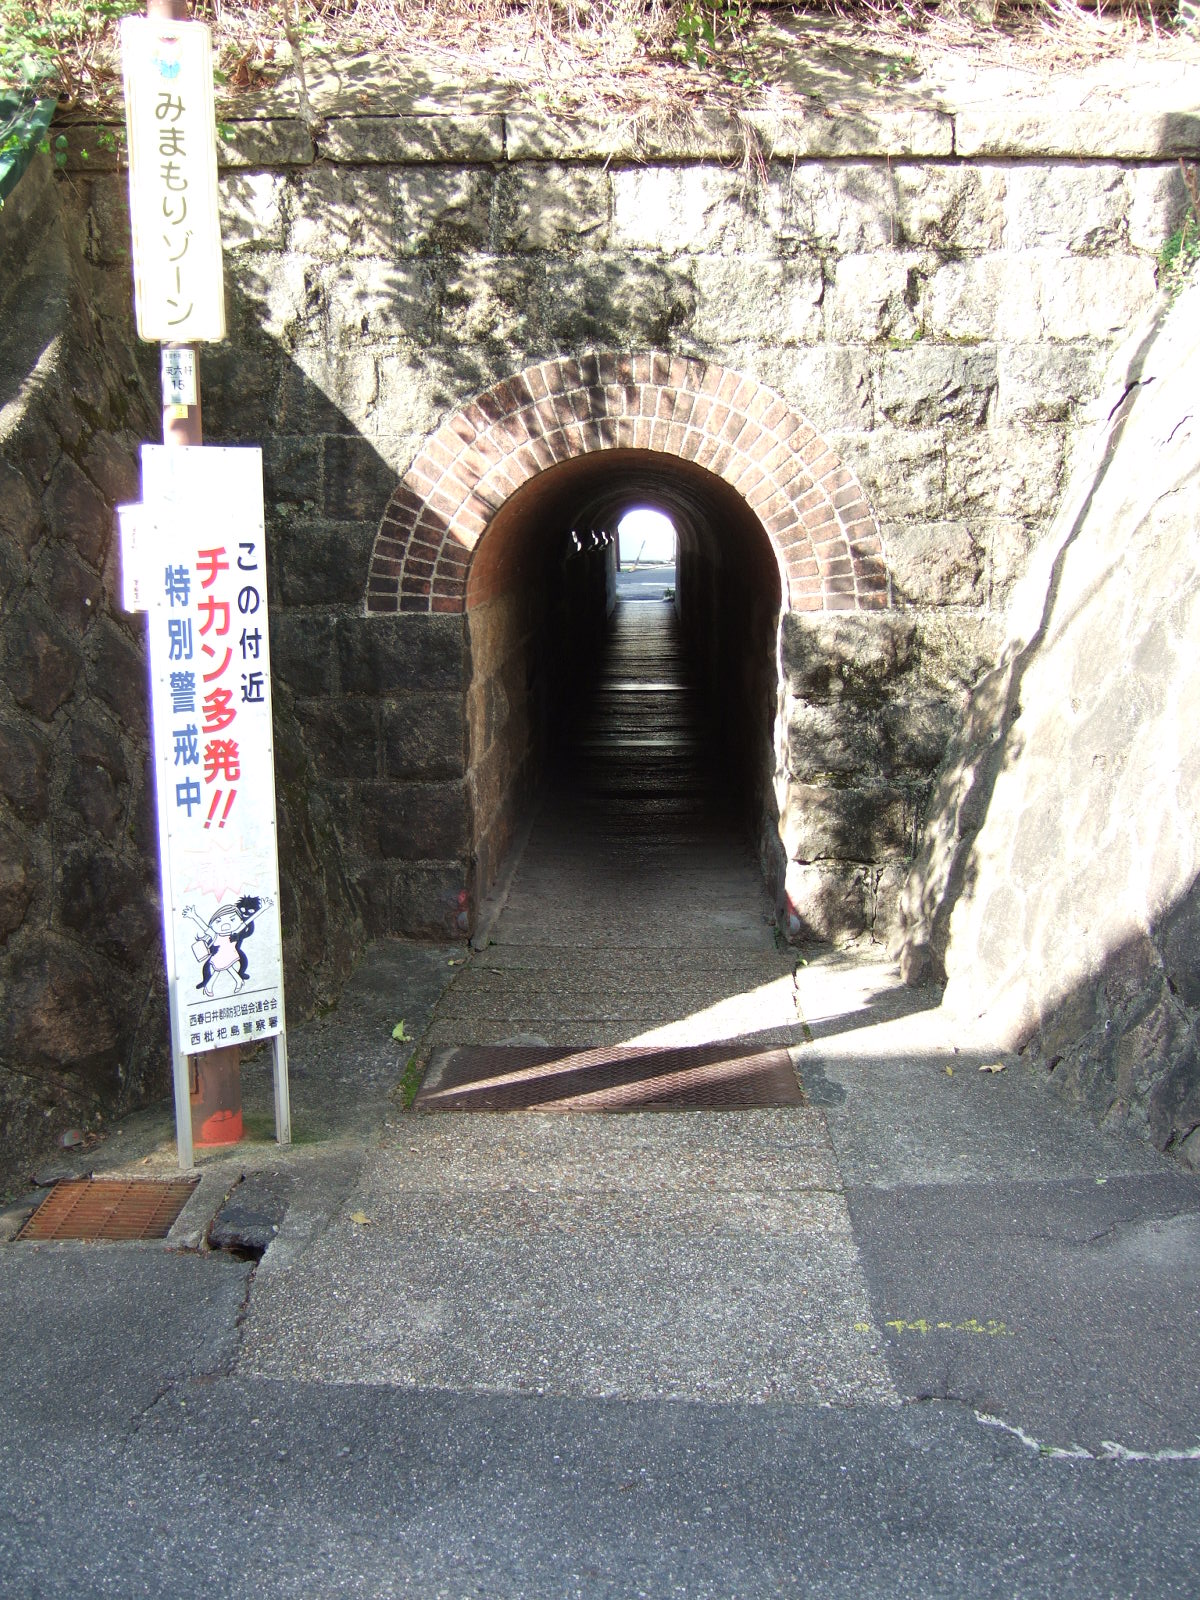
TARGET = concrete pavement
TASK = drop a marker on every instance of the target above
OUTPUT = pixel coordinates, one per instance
(931, 1333)
(188, 1422)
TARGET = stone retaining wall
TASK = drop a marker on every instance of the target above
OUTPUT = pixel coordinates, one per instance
(83, 1026)
(935, 318)
(1057, 883)
(933, 295)
(81, 993)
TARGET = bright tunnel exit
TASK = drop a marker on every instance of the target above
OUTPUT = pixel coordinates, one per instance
(646, 537)
(646, 546)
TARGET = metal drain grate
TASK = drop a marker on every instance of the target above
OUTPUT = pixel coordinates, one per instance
(108, 1208)
(714, 1077)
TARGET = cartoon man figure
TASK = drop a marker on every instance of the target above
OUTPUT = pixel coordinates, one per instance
(219, 946)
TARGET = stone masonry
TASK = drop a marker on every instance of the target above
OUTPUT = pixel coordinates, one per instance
(1057, 881)
(809, 504)
(83, 1027)
(912, 294)
(80, 963)
(936, 318)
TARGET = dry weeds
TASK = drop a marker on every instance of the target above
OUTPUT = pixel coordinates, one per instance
(624, 57)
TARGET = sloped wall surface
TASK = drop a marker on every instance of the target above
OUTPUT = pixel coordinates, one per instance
(1057, 879)
(83, 1024)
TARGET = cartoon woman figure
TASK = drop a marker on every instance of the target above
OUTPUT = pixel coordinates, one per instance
(219, 946)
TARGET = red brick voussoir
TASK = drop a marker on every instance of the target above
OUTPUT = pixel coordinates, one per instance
(810, 504)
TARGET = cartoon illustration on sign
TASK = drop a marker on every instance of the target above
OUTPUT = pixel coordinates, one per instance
(219, 947)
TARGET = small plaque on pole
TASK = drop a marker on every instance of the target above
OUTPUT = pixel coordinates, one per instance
(179, 289)
(131, 531)
(178, 376)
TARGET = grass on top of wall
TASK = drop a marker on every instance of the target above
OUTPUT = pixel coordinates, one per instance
(576, 54)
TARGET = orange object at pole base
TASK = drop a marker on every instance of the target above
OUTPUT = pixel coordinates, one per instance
(217, 1098)
(223, 1127)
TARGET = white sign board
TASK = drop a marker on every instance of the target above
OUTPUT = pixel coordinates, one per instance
(130, 533)
(210, 671)
(179, 289)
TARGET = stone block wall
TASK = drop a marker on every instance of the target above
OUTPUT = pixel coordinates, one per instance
(83, 1023)
(379, 715)
(82, 1015)
(1056, 886)
(934, 295)
(937, 317)
(870, 705)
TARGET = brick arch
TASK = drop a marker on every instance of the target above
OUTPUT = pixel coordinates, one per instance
(810, 504)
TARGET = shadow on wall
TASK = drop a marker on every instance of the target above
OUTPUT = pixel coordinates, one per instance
(82, 1011)
(1127, 1043)
(368, 710)
(1055, 887)
(380, 697)
(452, 267)
(869, 708)
(83, 1030)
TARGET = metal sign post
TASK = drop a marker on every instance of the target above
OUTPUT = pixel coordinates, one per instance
(179, 296)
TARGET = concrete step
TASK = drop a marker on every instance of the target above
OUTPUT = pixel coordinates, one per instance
(705, 1256)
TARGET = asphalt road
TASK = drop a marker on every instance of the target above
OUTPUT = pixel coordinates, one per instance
(1021, 1417)
(135, 1461)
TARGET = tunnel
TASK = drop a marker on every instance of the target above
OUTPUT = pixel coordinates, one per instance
(783, 606)
(542, 611)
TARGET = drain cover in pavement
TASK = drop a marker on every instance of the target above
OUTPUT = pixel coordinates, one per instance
(714, 1077)
(108, 1208)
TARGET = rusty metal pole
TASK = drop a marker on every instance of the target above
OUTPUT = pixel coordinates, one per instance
(216, 1075)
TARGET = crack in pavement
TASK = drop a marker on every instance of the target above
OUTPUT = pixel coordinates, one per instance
(1109, 1449)
(138, 1420)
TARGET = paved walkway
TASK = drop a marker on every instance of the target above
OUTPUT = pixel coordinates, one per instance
(931, 1333)
(810, 1254)
(637, 914)
(684, 1254)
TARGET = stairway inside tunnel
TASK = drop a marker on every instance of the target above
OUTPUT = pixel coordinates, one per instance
(640, 835)
(636, 915)
(639, 759)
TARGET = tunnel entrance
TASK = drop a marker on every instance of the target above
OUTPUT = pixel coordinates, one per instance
(614, 676)
(508, 514)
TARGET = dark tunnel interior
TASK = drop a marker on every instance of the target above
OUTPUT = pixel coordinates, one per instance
(541, 614)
